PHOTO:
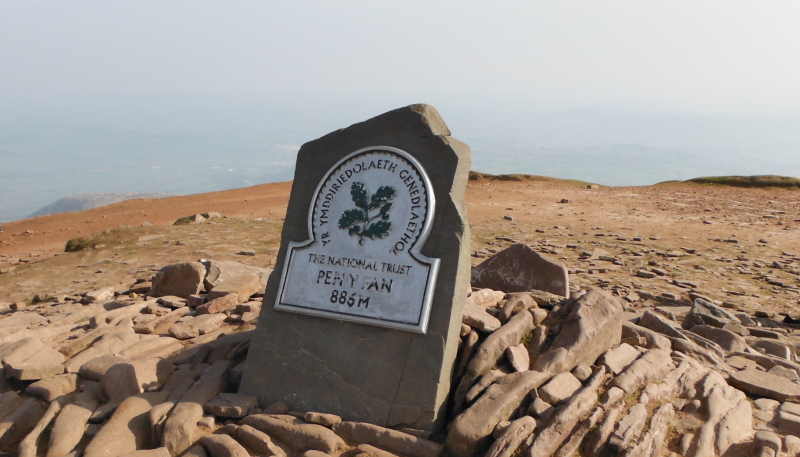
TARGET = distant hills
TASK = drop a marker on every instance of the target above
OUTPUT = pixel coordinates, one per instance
(89, 201)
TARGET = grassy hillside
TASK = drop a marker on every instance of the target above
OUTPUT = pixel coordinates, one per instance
(749, 181)
(478, 176)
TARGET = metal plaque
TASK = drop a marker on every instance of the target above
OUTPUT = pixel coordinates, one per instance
(370, 217)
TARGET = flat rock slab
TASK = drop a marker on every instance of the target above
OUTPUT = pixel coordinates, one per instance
(519, 268)
(30, 359)
(401, 377)
(561, 387)
(220, 303)
(766, 385)
(223, 271)
(196, 326)
(242, 286)
(616, 360)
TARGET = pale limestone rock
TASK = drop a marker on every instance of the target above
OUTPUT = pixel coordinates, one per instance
(768, 439)
(70, 348)
(596, 442)
(470, 343)
(232, 405)
(486, 298)
(128, 429)
(258, 441)
(727, 340)
(243, 287)
(297, 434)
(180, 279)
(735, 426)
(573, 443)
(766, 385)
(95, 369)
(653, 340)
(100, 295)
(392, 440)
(9, 401)
(51, 388)
(490, 352)
(323, 419)
(222, 271)
(16, 425)
(28, 447)
(652, 442)
(196, 326)
(157, 452)
(223, 446)
(618, 359)
(518, 301)
(483, 383)
(518, 356)
(558, 389)
(181, 429)
(471, 431)
(513, 436)
(70, 424)
(540, 409)
(546, 442)
(628, 428)
(653, 365)
(582, 372)
(30, 359)
(594, 325)
(125, 379)
(476, 317)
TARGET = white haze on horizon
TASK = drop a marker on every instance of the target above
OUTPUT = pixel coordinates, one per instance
(189, 96)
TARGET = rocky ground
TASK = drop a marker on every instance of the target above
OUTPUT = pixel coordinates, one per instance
(677, 338)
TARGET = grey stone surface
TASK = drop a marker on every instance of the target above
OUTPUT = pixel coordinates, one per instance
(519, 268)
(401, 377)
(706, 313)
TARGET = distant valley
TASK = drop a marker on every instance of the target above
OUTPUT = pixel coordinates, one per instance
(89, 201)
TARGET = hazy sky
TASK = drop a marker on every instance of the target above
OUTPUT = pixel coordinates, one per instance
(677, 55)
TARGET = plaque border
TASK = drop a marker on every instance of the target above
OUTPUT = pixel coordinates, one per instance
(414, 252)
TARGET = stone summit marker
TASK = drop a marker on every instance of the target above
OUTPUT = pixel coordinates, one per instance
(362, 316)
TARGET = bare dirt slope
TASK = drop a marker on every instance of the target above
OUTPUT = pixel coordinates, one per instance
(733, 245)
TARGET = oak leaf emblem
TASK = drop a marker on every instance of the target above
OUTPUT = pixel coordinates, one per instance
(361, 221)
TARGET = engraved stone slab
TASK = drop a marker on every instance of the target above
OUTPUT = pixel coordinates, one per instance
(376, 215)
(370, 216)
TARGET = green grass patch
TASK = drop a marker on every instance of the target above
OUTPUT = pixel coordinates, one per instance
(78, 244)
(478, 176)
(758, 181)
